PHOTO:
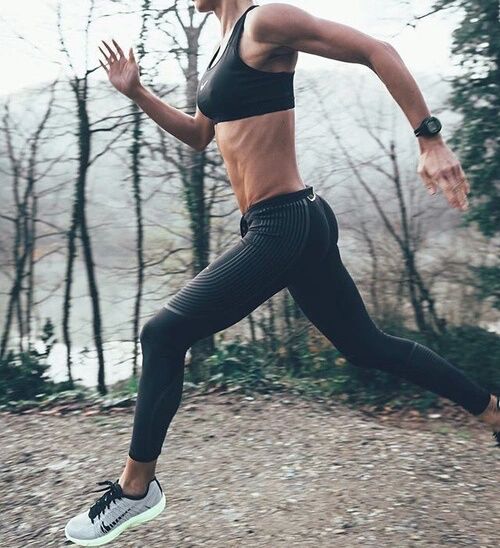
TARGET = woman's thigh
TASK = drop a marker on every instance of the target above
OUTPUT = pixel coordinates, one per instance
(230, 287)
(329, 298)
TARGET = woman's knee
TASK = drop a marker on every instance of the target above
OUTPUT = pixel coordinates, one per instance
(162, 334)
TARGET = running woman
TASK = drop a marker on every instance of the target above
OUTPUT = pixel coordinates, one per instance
(289, 232)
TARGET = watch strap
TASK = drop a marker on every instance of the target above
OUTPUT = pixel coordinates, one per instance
(422, 128)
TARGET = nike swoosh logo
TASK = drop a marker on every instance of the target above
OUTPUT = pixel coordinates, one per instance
(106, 528)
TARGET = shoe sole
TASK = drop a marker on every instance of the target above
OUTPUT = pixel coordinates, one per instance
(136, 520)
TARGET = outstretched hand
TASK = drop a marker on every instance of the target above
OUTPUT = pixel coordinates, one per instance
(123, 73)
(439, 168)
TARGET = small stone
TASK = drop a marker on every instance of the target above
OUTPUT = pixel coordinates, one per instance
(59, 465)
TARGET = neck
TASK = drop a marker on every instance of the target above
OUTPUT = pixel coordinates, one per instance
(229, 12)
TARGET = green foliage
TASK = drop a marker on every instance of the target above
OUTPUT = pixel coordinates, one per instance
(476, 95)
(327, 374)
(48, 336)
(23, 376)
(476, 351)
(488, 283)
(125, 387)
(241, 363)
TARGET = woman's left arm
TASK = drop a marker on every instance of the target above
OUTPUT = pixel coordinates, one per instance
(291, 27)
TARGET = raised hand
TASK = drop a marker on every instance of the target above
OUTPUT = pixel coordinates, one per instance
(123, 73)
(439, 168)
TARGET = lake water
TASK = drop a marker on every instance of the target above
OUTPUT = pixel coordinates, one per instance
(117, 360)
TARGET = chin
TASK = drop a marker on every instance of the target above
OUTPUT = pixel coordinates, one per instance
(203, 6)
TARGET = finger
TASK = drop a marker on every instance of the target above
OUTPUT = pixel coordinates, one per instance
(429, 183)
(431, 188)
(461, 196)
(459, 176)
(111, 52)
(462, 200)
(108, 60)
(460, 188)
(447, 184)
(467, 185)
(107, 71)
(422, 172)
(118, 48)
(464, 177)
(131, 55)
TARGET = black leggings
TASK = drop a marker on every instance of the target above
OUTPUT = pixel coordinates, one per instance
(289, 240)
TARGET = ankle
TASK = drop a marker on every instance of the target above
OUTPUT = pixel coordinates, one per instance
(136, 476)
(491, 414)
(134, 486)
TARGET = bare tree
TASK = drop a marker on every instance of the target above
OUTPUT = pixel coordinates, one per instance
(79, 225)
(401, 228)
(135, 150)
(25, 175)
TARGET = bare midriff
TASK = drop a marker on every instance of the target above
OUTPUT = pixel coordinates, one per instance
(259, 155)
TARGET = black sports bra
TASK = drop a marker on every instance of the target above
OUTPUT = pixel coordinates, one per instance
(231, 89)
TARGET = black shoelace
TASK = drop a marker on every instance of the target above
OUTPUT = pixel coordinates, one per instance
(113, 492)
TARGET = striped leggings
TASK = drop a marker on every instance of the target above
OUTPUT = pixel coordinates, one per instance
(287, 241)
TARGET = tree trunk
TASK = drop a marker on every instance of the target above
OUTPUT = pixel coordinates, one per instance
(83, 161)
(136, 190)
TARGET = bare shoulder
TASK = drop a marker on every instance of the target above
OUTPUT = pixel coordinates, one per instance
(291, 28)
(276, 22)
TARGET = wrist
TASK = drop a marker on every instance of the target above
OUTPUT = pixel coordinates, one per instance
(427, 142)
(428, 132)
(137, 93)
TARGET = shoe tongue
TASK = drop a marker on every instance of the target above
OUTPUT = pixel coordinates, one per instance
(119, 488)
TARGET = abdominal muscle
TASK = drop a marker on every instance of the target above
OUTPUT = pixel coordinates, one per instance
(259, 155)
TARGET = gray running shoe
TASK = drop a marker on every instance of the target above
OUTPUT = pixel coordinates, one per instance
(114, 512)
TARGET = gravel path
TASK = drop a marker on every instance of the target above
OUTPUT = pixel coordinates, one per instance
(273, 471)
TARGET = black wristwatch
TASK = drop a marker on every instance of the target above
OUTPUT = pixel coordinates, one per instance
(430, 126)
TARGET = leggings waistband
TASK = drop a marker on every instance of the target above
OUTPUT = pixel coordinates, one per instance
(281, 199)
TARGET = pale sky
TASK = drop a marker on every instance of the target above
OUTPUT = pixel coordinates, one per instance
(37, 58)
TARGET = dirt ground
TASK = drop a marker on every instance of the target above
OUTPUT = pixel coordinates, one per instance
(262, 471)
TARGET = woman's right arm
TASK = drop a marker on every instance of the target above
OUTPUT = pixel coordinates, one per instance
(196, 131)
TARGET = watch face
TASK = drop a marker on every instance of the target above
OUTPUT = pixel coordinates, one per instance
(433, 125)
